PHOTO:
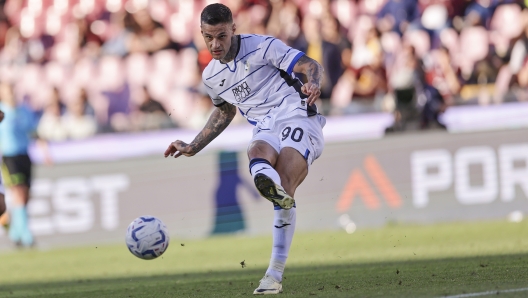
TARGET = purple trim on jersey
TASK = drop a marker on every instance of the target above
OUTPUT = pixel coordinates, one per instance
(215, 75)
(249, 97)
(284, 56)
(281, 86)
(292, 64)
(268, 47)
(248, 54)
(242, 79)
(259, 89)
(234, 69)
(250, 122)
(300, 109)
(283, 100)
(227, 66)
(206, 85)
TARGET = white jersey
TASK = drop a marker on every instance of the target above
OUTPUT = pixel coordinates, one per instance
(259, 81)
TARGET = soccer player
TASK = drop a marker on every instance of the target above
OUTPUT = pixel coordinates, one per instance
(15, 135)
(254, 74)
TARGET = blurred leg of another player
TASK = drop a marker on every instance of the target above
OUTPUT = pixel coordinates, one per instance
(17, 173)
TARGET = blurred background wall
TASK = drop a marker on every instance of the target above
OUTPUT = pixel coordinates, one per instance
(111, 82)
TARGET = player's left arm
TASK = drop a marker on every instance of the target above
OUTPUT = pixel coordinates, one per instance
(314, 74)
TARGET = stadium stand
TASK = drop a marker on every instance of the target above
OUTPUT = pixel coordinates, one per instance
(415, 59)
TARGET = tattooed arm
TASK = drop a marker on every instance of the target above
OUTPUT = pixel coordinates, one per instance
(314, 74)
(218, 121)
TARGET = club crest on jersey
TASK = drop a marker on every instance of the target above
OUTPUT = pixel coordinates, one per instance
(241, 91)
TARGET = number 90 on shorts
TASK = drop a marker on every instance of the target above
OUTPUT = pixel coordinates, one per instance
(305, 134)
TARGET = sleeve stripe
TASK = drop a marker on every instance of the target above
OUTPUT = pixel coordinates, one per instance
(268, 47)
(284, 56)
(207, 86)
(292, 64)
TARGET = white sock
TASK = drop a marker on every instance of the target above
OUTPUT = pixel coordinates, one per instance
(283, 229)
(262, 166)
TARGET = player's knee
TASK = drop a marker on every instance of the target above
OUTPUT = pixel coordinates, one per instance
(261, 149)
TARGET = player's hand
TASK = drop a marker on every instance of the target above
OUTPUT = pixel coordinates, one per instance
(178, 148)
(312, 90)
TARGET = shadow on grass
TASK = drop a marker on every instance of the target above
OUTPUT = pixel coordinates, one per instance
(412, 278)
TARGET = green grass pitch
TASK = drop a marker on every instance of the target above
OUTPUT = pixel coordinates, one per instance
(394, 261)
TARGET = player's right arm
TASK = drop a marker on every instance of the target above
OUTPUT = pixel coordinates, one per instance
(218, 121)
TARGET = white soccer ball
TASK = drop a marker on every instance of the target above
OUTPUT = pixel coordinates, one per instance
(147, 237)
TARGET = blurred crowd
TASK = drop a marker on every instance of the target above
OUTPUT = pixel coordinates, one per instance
(93, 66)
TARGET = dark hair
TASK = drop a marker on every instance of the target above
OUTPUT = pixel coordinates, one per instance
(216, 13)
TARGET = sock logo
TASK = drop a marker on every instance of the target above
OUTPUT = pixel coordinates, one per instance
(282, 226)
(260, 170)
(358, 185)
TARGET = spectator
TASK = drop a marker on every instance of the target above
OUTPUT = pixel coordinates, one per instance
(148, 36)
(116, 43)
(77, 123)
(396, 15)
(103, 38)
(87, 108)
(478, 13)
(50, 126)
(326, 53)
(402, 80)
(150, 113)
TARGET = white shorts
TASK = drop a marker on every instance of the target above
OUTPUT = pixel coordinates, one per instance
(304, 134)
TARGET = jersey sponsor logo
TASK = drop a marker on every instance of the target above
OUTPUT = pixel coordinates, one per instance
(222, 84)
(241, 91)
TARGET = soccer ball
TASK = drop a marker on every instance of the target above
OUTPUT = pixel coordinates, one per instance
(147, 237)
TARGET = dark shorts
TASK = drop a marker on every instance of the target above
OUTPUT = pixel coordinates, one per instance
(16, 170)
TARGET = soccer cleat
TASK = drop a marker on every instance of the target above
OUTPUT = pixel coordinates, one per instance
(268, 286)
(273, 192)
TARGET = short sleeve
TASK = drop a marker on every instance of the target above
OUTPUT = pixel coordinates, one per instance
(217, 100)
(280, 55)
